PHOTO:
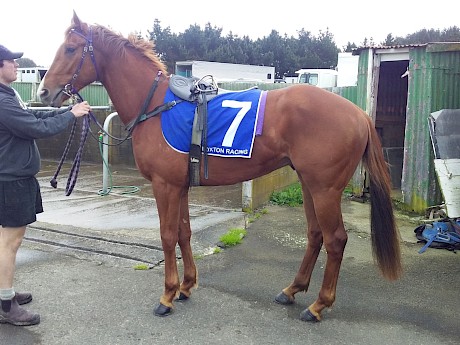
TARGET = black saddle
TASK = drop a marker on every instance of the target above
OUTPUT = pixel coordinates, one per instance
(190, 88)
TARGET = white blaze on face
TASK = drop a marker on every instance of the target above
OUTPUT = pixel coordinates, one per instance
(40, 88)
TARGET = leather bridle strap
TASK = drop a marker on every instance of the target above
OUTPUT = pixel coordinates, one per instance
(69, 88)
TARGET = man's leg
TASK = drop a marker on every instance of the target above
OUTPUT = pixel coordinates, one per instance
(10, 311)
(10, 241)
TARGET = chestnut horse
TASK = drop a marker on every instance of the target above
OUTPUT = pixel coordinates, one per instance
(321, 135)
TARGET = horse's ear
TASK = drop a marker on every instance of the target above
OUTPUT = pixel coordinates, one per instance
(75, 20)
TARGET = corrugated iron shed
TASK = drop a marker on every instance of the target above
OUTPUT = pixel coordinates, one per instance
(433, 84)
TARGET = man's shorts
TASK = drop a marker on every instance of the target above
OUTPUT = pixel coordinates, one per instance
(20, 202)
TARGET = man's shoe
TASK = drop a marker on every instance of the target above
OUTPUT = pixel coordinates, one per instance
(23, 297)
(12, 313)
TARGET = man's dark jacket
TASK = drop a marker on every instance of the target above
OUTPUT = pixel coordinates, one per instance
(19, 127)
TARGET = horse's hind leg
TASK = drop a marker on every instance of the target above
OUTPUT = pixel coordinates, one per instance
(329, 216)
(185, 233)
(314, 242)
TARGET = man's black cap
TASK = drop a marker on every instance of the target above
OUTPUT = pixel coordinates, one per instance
(6, 54)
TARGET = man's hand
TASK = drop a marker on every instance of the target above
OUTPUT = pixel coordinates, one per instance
(81, 109)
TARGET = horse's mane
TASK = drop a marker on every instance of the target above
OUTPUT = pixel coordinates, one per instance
(120, 44)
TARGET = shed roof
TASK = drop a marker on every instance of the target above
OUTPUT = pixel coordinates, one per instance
(430, 47)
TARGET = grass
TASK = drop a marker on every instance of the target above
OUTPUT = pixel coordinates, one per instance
(292, 195)
(233, 237)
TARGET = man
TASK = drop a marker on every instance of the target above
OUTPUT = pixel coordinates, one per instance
(20, 197)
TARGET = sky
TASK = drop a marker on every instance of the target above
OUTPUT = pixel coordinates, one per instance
(37, 27)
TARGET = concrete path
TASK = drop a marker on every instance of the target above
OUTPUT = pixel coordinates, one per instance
(88, 222)
(79, 263)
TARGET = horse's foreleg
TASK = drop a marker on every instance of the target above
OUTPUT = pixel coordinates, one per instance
(185, 233)
(335, 239)
(168, 203)
(314, 242)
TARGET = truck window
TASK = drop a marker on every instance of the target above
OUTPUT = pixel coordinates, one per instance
(309, 78)
(313, 79)
(303, 78)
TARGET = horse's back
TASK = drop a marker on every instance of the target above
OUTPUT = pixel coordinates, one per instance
(306, 103)
(312, 113)
(316, 128)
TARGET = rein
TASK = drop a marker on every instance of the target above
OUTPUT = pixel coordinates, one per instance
(74, 170)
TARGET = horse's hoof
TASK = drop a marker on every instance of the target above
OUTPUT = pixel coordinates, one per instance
(308, 316)
(182, 297)
(162, 310)
(282, 298)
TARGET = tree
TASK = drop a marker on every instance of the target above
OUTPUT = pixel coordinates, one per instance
(451, 34)
(389, 40)
(166, 45)
(349, 47)
(286, 54)
(25, 62)
(326, 49)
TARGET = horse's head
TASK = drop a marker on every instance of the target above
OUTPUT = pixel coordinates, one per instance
(74, 65)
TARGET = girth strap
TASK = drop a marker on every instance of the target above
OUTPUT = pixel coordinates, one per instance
(199, 143)
(201, 91)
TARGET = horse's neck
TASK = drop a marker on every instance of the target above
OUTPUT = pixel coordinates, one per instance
(128, 88)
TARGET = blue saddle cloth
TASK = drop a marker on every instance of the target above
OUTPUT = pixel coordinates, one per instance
(234, 119)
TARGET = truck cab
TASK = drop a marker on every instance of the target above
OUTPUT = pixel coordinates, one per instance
(318, 77)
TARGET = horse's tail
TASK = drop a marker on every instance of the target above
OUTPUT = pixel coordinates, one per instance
(384, 233)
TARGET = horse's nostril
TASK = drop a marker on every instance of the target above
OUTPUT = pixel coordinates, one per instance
(44, 92)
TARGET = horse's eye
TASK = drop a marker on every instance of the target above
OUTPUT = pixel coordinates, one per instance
(70, 50)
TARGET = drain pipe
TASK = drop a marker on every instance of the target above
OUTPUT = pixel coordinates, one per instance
(105, 152)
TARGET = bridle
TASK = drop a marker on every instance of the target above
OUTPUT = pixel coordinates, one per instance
(69, 89)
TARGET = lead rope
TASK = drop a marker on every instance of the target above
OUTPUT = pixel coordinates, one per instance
(75, 168)
(53, 181)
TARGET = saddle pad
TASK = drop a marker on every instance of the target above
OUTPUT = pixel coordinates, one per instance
(232, 119)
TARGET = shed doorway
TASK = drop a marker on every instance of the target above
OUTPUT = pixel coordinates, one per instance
(390, 114)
